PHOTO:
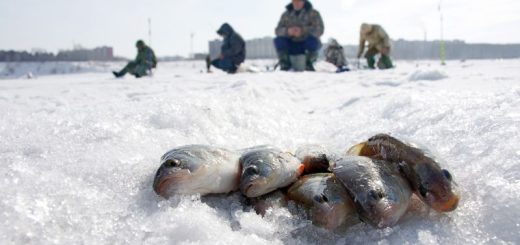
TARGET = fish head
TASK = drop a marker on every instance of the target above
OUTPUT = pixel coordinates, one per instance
(325, 197)
(173, 174)
(267, 169)
(435, 186)
(332, 208)
(385, 201)
(378, 209)
(258, 172)
(328, 213)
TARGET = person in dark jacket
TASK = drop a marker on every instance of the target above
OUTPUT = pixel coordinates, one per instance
(143, 62)
(298, 33)
(232, 52)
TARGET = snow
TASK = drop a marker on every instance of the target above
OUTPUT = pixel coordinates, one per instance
(10, 70)
(79, 151)
(428, 75)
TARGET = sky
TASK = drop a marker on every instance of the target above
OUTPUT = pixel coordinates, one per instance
(54, 25)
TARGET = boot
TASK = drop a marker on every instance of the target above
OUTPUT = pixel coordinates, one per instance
(311, 57)
(384, 62)
(371, 61)
(342, 69)
(117, 74)
(284, 61)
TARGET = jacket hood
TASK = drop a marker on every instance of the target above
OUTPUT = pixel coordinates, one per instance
(307, 6)
(225, 29)
(333, 42)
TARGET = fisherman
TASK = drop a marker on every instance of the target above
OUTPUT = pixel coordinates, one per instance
(334, 54)
(378, 43)
(298, 36)
(232, 52)
(143, 63)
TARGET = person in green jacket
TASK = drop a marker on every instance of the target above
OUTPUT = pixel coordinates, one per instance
(143, 62)
(378, 42)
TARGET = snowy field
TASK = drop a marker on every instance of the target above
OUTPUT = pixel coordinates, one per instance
(13, 70)
(78, 152)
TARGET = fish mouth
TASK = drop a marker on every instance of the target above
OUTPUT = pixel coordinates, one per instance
(445, 206)
(166, 184)
(390, 215)
(253, 188)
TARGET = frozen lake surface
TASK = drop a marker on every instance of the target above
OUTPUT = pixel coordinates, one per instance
(78, 152)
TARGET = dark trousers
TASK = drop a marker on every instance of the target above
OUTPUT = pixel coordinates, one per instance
(287, 45)
(226, 65)
(136, 69)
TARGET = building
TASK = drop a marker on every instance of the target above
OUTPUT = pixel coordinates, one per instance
(258, 48)
(214, 48)
(455, 50)
(82, 54)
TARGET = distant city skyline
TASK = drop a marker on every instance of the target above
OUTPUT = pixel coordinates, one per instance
(59, 24)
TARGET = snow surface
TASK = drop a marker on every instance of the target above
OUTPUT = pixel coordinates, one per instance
(11, 70)
(78, 152)
(428, 75)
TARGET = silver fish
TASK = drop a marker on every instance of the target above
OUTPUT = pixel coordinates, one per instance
(327, 200)
(434, 185)
(265, 169)
(379, 192)
(197, 169)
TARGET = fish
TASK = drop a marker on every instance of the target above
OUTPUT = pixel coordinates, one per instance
(381, 195)
(315, 158)
(433, 184)
(267, 168)
(197, 169)
(326, 199)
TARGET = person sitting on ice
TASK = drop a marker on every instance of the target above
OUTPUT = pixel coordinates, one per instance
(378, 43)
(142, 64)
(232, 52)
(334, 54)
(298, 36)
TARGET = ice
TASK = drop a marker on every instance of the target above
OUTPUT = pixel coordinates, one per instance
(29, 70)
(79, 151)
(428, 75)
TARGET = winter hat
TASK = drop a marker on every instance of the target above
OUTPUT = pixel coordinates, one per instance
(366, 28)
(139, 43)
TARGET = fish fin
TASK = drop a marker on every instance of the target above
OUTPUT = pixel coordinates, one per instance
(300, 170)
(361, 149)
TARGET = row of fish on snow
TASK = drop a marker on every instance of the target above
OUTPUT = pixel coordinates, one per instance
(373, 181)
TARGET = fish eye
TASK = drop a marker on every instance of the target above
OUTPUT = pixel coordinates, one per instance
(251, 170)
(447, 174)
(320, 198)
(375, 195)
(173, 162)
(423, 190)
(401, 167)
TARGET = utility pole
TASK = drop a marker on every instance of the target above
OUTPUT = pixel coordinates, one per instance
(443, 47)
(192, 35)
(150, 32)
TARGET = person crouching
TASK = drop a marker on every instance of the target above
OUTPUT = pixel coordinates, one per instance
(232, 52)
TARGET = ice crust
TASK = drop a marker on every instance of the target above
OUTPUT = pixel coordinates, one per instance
(427, 75)
(78, 152)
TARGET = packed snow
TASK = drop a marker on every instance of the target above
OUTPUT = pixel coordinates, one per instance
(79, 151)
(11, 70)
(428, 75)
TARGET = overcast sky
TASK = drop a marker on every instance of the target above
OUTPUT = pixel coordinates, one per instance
(58, 24)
